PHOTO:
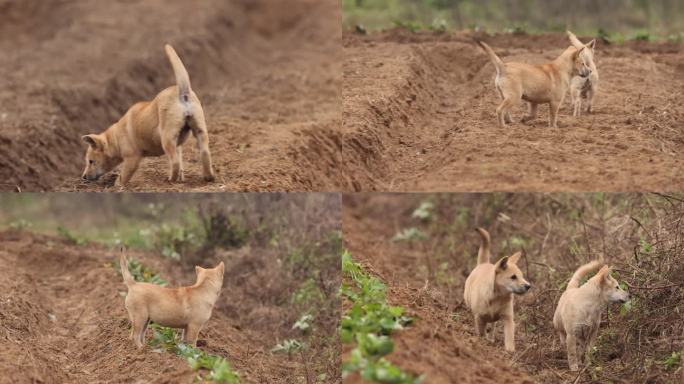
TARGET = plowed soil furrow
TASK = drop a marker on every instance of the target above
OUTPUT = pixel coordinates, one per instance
(65, 321)
(267, 73)
(436, 345)
(419, 115)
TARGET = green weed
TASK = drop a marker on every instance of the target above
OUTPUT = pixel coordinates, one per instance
(142, 273)
(219, 369)
(410, 235)
(20, 224)
(369, 323)
(71, 237)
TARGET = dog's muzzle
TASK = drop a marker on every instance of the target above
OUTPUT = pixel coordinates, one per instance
(585, 73)
(522, 290)
(91, 178)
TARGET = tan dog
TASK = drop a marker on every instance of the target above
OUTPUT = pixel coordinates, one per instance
(489, 290)
(536, 84)
(153, 128)
(578, 314)
(584, 87)
(187, 308)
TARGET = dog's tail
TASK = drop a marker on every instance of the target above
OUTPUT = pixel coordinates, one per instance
(127, 277)
(182, 77)
(483, 252)
(493, 57)
(581, 272)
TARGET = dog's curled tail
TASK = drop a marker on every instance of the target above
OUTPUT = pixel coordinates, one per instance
(581, 272)
(483, 252)
(182, 77)
(498, 63)
(127, 277)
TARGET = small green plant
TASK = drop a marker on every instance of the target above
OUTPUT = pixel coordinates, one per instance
(645, 246)
(218, 368)
(20, 224)
(304, 323)
(674, 360)
(71, 237)
(424, 211)
(289, 346)
(174, 240)
(411, 26)
(143, 273)
(517, 30)
(410, 235)
(642, 36)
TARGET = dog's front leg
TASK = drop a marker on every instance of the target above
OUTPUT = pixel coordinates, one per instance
(509, 334)
(130, 165)
(481, 326)
(532, 113)
(554, 106)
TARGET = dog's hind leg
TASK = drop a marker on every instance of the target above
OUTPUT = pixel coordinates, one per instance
(199, 130)
(502, 112)
(139, 326)
(179, 153)
(481, 326)
(571, 345)
(171, 150)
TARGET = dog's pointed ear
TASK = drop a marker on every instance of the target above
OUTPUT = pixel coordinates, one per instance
(93, 140)
(603, 273)
(574, 40)
(197, 269)
(577, 52)
(502, 263)
(591, 45)
(514, 259)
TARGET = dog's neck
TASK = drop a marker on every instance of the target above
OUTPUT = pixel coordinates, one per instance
(565, 65)
(113, 145)
(207, 285)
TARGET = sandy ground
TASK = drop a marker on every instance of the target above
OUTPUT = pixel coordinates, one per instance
(419, 115)
(268, 74)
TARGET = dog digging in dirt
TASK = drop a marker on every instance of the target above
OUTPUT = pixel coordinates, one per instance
(537, 84)
(578, 314)
(583, 87)
(489, 290)
(186, 308)
(153, 128)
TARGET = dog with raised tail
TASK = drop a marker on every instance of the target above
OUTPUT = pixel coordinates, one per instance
(536, 84)
(490, 289)
(584, 87)
(186, 308)
(153, 128)
(578, 314)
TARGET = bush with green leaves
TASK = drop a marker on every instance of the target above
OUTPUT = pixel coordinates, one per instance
(369, 322)
(71, 237)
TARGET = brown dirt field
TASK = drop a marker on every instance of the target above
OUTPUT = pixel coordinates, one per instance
(558, 232)
(268, 74)
(419, 115)
(64, 320)
(443, 350)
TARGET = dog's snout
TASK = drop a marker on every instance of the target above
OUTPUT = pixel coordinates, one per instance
(84, 177)
(527, 287)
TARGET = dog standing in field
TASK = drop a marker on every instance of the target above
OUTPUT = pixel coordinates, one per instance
(537, 84)
(578, 314)
(153, 128)
(584, 87)
(489, 290)
(187, 308)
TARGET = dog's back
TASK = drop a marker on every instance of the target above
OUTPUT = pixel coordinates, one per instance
(561, 315)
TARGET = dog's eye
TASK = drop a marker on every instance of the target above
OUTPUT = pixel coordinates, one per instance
(514, 277)
(92, 162)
